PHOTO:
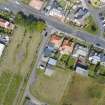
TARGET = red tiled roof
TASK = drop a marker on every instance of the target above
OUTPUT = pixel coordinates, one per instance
(6, 24)
(55, 39)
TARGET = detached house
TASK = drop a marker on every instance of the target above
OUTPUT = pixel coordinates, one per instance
(81, 66)
(67, 46)
(56, 41)
(6, 24)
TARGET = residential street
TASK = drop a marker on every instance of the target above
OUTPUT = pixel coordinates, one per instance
(55, 23)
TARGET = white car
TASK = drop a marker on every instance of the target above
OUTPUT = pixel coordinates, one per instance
(17, 2)
(42, 67)
(7, 9)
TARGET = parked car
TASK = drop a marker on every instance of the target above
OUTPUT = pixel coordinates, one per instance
(102, 18)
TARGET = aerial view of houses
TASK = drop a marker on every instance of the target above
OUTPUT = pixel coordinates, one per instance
(52, 52)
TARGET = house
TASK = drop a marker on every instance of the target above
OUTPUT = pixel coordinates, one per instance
(67, 46)
(52, 62)
(103, 60)
(57, 13)
(56, 41)
(48, 51)
(6, 24)
(95, 59)
(36, 4)
(80, 12)
(81, 66)
(80, 50)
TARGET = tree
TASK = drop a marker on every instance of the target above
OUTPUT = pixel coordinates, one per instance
(30, 22)
(40, 26)
(97, 67)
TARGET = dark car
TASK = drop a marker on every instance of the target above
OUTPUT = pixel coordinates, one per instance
(46, 34)
(100, 14)
(102, 18)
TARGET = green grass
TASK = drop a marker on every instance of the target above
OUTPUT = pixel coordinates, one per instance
(17, 59)
(91, 70)
(13, 89)
(4, 78)
(8, 89)
(83, 91)
(71, 62)
(6, 15)
(91, 26)
(51, 89)
(62, 3)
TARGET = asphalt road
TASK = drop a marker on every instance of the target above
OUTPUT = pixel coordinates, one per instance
(55, 23)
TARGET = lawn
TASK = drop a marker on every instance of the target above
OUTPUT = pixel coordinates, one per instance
(11, 89)
(91, 26)
(51, 89)
(4, 78)
(83, 91)
(16, 62)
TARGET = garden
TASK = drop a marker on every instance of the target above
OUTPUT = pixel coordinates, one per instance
(66, 61)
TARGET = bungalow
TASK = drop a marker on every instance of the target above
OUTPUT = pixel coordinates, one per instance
(81, 66)
(56, 41)
(80, 50)
(94, 59)
(52, 62)
(103, 60)
(80, 12)
(67, 46)
(6, 24)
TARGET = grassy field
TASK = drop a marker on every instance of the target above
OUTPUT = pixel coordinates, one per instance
(3, 1)
(51, 89)
(16, 62)
(68, 88)
(83, 91)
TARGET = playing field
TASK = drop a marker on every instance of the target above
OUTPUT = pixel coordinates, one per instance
(83, 91)
(51, 89)
(16, 62)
